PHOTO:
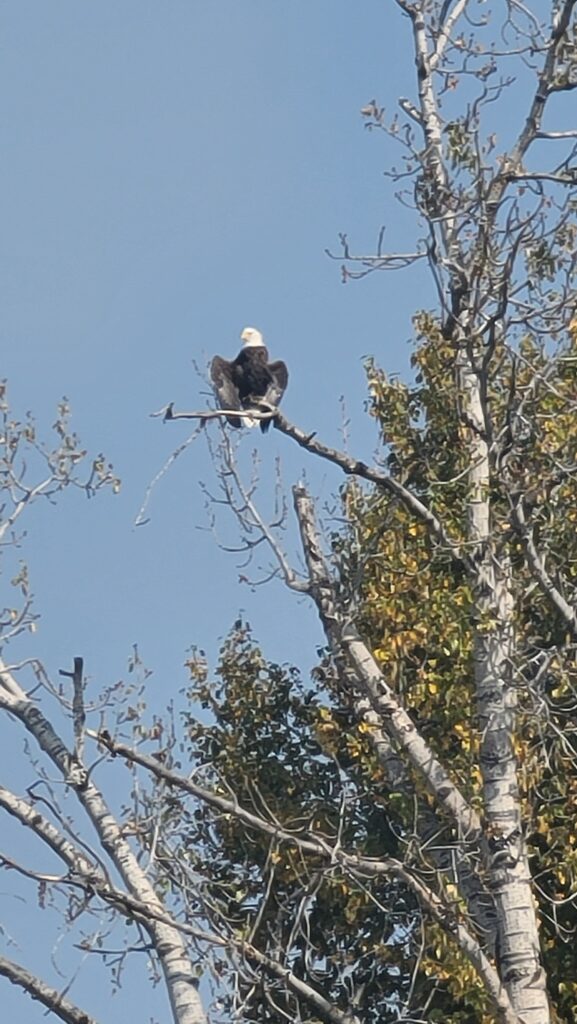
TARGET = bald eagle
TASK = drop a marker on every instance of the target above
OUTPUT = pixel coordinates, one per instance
(249, 381)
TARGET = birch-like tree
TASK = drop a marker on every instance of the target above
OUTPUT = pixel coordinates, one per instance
(394, 839)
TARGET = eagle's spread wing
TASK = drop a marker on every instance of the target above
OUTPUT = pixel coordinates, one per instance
(275, 390)
(221, 374)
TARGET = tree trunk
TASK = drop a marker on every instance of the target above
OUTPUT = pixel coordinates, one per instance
(517, 941)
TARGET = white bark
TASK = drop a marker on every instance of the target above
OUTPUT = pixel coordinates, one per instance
(347, 646)
(168, 941)
(368, 678)
(50, 997)
(508, 867)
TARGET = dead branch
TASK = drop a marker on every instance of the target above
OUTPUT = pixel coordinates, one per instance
(354, 467)
(168, 413)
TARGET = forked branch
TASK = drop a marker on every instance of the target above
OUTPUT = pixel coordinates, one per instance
(352, 467)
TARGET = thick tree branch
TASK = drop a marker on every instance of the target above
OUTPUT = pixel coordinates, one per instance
(29, 816)
(30, 494)
(43, 993)
(84, 875)
(345, 641)
(570, 134)
(544, 84)
(445, 32)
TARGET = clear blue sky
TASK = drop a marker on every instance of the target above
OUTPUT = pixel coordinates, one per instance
(172, 172)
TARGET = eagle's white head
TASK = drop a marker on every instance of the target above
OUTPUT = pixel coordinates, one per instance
(251, 337)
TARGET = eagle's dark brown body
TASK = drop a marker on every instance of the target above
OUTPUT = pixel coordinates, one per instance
(249, 382)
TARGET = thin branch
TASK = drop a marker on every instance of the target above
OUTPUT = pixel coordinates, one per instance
(167, 413)
(567, 178)
(140, 518)
(538, 570)
(354, 467)
(300, 988)
(266, 530)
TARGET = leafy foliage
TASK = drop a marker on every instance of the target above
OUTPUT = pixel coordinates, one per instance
(283, 749)
(417, 610)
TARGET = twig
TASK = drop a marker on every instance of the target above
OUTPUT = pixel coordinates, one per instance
(140, 518)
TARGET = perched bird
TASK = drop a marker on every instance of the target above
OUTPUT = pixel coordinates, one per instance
(249, 381)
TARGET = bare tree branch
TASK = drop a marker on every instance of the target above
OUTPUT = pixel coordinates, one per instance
(571, 134)
(532, 126)
(43, 993)
(354, 467)
(568, 177)
(447, 27)
(29, 816)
